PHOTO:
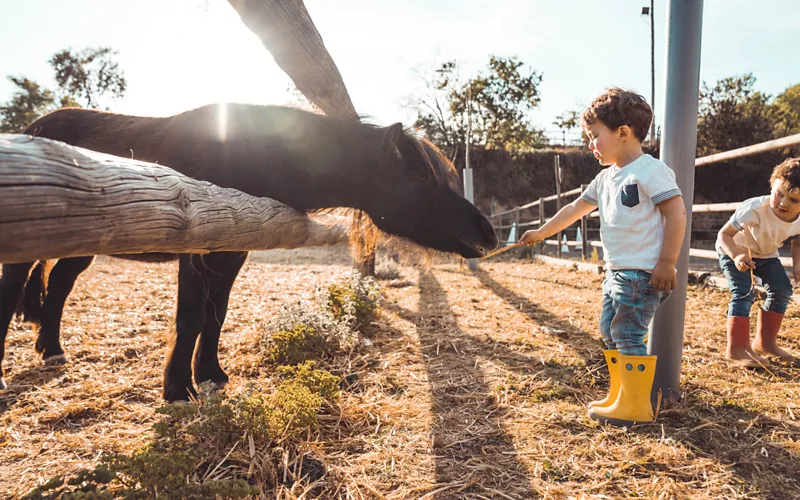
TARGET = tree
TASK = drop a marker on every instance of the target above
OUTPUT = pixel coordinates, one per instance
(732, 115)
(569, 120)
(83, 79)
(498, 103)
(88, 75)
(28, 102)
(786, 112)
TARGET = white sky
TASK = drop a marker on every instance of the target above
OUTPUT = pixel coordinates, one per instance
(180, 54)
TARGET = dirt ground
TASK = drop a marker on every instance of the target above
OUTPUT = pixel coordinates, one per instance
(473, 385)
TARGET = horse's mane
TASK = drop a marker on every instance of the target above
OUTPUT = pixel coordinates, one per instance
(365, 235)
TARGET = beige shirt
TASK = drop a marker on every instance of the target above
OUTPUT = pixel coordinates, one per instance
(760, 229)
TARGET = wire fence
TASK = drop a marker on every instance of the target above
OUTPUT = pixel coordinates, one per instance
(510, 224)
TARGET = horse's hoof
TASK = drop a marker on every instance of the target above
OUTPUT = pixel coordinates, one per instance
(58, 359)
(172, 395)
(3, 385)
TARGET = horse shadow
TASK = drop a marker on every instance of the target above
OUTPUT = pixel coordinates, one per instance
(472, 450)
(579, 341)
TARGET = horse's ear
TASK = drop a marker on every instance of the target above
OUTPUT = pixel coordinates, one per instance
(391, 140)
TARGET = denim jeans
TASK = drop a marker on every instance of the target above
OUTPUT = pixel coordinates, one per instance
(773, 277)
(629, 303)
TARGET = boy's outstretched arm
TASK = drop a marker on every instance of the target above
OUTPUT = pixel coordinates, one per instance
(664, 277)
(562, 220)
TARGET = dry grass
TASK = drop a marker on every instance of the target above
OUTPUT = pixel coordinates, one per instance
(470, 385)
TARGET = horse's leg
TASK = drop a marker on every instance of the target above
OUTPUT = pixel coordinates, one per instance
(31, 306)
(12, 285)
(223, 268)
(189, 322)
(59, 285)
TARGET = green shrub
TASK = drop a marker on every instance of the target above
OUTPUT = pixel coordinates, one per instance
(320, 382)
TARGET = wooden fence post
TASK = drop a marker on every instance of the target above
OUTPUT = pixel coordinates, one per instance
(542, 220)
(557, 165)
(516, 220)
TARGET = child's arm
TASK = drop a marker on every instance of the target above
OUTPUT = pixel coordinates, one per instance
(796, 260)
(664, 277)
(562, 220)
(731, 249)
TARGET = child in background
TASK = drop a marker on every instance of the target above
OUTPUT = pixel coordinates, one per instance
(748, 245)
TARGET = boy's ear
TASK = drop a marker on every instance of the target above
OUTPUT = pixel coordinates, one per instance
(624, 132)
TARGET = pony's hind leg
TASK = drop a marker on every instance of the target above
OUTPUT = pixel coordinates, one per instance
(59, 285)
(223, 268)
(31, 305)
(12, 286)
(189, 322)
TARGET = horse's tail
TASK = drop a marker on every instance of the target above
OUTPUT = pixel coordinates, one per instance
(30, 308)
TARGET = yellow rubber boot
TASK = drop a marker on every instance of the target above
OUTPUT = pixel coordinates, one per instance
(633, 403)
(612, 360)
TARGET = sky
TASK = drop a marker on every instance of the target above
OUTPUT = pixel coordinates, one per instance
(181, 54)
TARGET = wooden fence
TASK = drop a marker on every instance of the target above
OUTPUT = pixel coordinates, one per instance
(510, 224)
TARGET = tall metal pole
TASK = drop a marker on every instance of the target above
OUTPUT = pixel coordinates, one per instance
(468, 186)
(678, 143)
(652, 73)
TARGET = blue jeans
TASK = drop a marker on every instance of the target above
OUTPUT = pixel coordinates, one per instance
(629, 303)
(773, 277)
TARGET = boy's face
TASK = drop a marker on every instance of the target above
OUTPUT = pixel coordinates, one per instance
(785, 202)
(604, 142)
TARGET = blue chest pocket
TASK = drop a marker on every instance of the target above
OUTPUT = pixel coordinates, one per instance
(630, 195)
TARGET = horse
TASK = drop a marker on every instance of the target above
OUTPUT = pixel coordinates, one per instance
(305, 160)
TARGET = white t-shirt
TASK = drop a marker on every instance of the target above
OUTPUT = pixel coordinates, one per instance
(760, 228)
(631, 224)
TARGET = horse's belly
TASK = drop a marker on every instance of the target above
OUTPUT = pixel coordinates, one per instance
(148, 257)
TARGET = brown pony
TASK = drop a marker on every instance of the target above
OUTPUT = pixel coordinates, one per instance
(304, 160)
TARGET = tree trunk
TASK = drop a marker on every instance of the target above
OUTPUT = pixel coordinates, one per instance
(61, 201)
(286, 30)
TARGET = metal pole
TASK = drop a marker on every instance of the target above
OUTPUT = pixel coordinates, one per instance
(468, 186)
(652, 73)
(557, 165)
(678, 142)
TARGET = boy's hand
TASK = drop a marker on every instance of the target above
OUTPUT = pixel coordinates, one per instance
(743, 262)
(531, 237)
(664, 277)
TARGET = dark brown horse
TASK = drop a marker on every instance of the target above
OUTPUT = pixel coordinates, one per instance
(304, 160)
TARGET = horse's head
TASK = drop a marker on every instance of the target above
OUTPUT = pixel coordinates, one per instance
(416, 199)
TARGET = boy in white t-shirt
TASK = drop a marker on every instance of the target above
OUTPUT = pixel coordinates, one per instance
(642, 224)
(748, 245)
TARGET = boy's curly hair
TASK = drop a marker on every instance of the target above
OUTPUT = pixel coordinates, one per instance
(788, 172)
(617, 107)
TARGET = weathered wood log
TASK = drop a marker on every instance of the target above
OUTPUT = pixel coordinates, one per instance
(61, 201)
(288, 33)
(286, 30)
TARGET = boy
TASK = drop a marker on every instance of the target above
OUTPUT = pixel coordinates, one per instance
(748, 245)
(642, 224)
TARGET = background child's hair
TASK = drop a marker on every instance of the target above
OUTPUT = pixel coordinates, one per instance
(617, 107)
(788, 172)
